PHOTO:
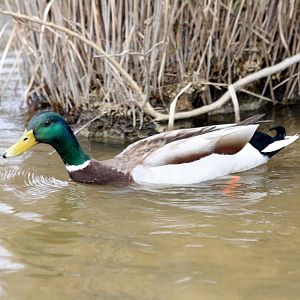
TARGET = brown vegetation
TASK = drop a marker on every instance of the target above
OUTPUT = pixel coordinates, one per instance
(151, 51)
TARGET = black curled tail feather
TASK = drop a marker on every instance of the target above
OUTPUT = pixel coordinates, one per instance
(280, 132)
(262, 140)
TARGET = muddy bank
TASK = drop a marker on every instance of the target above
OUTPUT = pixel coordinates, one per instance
(119, 125)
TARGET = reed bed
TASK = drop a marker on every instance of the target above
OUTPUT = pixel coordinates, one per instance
(163, 45)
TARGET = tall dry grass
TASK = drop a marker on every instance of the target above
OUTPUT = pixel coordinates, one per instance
(163, 45)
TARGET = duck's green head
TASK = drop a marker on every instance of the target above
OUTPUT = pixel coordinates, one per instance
(50, 128)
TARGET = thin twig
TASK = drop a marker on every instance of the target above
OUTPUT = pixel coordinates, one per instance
(128, 52)
(173, 106)
(88, 123)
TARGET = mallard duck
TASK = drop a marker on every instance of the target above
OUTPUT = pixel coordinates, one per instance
(183, 156)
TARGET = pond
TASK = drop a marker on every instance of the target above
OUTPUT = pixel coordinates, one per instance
(60, 239)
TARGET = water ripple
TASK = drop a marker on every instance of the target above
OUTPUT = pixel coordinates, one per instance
(6, 264)
(27, 185)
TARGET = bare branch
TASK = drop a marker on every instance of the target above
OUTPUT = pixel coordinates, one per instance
(237, 85)
(235, 102)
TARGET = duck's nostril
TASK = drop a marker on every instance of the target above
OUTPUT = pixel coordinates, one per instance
(25, 139)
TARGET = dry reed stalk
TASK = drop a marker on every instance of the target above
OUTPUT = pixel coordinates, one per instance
(7, 48)
(218, 41)
(11, 73)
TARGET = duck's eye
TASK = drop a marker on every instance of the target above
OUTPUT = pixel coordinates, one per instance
(47, 123)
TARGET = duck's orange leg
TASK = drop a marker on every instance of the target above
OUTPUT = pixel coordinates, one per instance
(232, 184)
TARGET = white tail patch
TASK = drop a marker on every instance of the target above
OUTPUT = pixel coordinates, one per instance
(280, 144)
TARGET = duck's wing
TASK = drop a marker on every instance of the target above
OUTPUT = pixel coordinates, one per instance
(229, 140)
(137, 152)
(186, 145)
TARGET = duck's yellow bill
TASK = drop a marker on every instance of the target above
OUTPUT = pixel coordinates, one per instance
(26, 142)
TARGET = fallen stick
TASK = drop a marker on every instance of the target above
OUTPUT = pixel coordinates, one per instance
(237, 86)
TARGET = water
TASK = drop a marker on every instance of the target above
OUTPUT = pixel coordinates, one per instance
(64, 239)
(60, 239)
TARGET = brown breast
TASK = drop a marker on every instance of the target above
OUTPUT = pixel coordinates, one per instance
(98, 173)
